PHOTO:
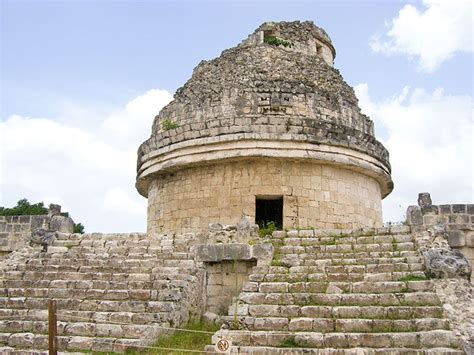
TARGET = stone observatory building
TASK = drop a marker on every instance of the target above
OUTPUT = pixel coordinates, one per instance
(270, 130)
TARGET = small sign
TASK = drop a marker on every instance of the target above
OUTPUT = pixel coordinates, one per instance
(223, 345)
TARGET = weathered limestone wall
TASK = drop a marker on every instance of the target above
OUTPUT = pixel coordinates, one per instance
(224, 281)
(15, 231)
(458, 219)
(314, 195)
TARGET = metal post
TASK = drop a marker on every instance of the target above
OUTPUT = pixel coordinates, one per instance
(52, 328)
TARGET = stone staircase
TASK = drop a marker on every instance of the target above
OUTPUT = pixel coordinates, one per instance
(326, 293)
(112, 291)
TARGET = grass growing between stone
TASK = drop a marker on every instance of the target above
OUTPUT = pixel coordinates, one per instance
(413, 278)
(182, 340)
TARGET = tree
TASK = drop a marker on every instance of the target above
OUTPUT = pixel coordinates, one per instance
(24, 207)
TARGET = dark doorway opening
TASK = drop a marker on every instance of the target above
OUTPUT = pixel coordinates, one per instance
(269, 209)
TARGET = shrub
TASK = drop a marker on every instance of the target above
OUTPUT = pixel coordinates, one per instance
(275, 41)
(267, 229)
(78, 228)
(167, 124)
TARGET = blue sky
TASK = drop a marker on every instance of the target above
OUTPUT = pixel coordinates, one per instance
(87, 67)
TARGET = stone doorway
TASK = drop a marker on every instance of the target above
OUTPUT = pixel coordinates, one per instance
(269, 209)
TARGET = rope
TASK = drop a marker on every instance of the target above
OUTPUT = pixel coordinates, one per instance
(121, 323)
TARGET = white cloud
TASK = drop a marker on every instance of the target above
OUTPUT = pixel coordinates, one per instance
(90, 171)
(429, 137)
(434, 35)
(128, 126)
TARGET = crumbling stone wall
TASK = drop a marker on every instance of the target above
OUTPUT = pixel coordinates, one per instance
(224, 282)
(16, 231)
(457, 220)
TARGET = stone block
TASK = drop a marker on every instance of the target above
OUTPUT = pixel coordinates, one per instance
(456, 238)
(414, 215)
(239, 309)
(430, 210)
(315, 340)
(237, 252)
(424, 199)
(306, 233)
(445, 209)
(262, 251)
(21, 340)
(53, 249)
(301, 324)
(469, 237)
(458, 218)
(459, 208)
(470, 209)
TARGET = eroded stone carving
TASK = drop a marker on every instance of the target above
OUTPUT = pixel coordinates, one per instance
(43, 237)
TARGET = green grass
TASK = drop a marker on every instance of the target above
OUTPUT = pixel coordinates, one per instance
(289, 343)
(413, 278)
(328, 242)
(182, 340)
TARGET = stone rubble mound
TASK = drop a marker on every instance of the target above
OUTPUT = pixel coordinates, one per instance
(363, 293)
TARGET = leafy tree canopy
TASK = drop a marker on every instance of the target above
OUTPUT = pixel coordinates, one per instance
(23, 207)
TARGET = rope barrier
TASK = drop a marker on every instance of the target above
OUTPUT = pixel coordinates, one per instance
(121, 323)
(108, 322)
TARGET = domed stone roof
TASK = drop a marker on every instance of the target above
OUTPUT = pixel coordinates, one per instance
(278, 86)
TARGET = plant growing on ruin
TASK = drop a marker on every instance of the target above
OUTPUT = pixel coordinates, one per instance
(167, 124)
(275, 41)
(267, 229)
(78, 228)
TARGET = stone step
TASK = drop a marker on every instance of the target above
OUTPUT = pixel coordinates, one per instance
(265, 350)
(328, 325)
(93, 284)
(365, 261)
(348, 240)
(12, 351)
(86, 316)
(292, 260)
(75, 328)
(46, 259)
(344, 299)
(92, 294)
(311, 276)
(394, 229)
(416, 340)
(340, 287)
(338, 312)
(66, 343)
(178, 273)
(374, 256)
(55, 252)
(346, 248)
(152, 267)
(93, 305)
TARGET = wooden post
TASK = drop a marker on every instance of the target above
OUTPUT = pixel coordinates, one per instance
(52, 328)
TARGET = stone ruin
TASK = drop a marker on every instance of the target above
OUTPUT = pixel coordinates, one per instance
(266, 136)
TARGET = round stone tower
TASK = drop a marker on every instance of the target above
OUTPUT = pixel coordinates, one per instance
(269, 130)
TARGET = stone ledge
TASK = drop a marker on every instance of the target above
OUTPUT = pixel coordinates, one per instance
(202, 152)
(229, 252)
